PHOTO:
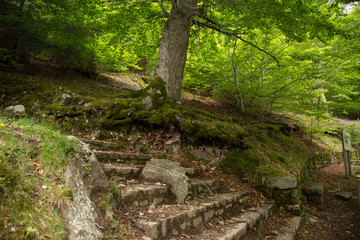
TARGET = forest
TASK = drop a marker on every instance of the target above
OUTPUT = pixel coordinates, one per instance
(245, 100)
(291, 56)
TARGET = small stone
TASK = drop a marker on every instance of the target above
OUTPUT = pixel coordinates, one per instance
(141, 214)
(275, 233)
(158, 184)
(197, 221)
(150, 211)
(306, 232)
(157, 201)
(174, 231)
(221, 222)
(312, 220)
(67, 99)
(143, 203)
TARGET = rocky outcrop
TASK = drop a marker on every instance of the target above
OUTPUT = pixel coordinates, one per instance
(170, 173)
(85, 178)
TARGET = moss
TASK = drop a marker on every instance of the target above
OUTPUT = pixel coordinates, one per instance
(241, 162)
(67, 127)
(142, 115)
(228, 132)
(137, 105)
(18, 89)
(98, 104)
(111, 124)
(69, 111)
(157, 92)
(118, 110)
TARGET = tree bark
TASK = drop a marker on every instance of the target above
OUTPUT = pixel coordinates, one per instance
(173, 49)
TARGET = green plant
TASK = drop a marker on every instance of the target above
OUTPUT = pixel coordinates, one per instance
(260, 227)
(116, 191)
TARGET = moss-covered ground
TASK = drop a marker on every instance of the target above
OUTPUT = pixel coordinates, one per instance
(257, 145)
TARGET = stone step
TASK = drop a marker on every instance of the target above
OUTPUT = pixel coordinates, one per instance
(140, 193)
(121, 171)
(99, 144)
(192, 214)
(143, 194)
(291, 230)
(237, 226)
(121, 157)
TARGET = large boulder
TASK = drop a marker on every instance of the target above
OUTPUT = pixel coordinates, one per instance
(15, 111)
(170, 173)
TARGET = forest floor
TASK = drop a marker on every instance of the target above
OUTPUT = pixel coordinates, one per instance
(338, 220)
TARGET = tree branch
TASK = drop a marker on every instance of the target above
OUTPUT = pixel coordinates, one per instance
(218, 27)
(163, 8)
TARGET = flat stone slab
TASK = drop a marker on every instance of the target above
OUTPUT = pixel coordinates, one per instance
(121, 157)
(103, 145)
(314, 188)
(346, 196)
(282, 183)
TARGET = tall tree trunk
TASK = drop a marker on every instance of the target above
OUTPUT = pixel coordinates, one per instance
(173, 48)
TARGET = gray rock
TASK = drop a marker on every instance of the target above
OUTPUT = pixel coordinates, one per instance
(282, 183)
(15, 111)
(314, 188)
(170, 173)
(151, 228)
(67, 99)
(314, 193)
(343, 195)
(312, 220)
(148, 103)
(87, 105)
(80, 213)
(96, 135)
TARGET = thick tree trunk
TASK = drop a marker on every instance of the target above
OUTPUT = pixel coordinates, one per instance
(172, 53)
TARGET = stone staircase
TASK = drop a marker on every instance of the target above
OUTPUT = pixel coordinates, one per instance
(209, 212)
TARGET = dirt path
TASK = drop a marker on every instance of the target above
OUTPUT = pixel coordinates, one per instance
(339, 220)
